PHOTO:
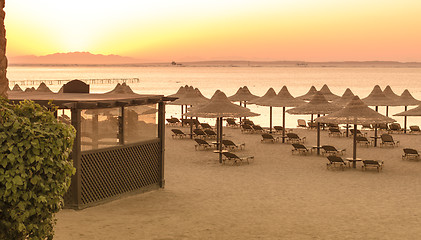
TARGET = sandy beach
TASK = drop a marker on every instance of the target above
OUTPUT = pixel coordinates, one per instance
(277, 196)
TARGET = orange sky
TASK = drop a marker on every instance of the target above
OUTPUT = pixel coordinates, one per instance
(189, 30)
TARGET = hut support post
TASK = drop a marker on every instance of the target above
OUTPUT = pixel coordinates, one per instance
(404, 120)
(283, 125)
(270, 120)
(121, 126)
(95, 132)
(354, 148)
(375, 130)
(318, 136)
(75, 186)
(161, 136)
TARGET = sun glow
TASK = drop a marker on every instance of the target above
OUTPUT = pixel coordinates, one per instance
(202, 30)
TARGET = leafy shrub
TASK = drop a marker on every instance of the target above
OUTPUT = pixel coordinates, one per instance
(35, 170)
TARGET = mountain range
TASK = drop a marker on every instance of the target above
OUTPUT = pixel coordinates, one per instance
(86, 58)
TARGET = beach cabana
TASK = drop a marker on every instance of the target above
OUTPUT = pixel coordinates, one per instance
(219, 107)
(356, 112)
(282, 99)
(317, 105)
(109, 163)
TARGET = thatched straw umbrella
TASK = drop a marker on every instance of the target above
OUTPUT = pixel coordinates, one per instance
(243, 95)
(282, 99)
(309, 95)
(328, 94)
(356, 113)
(317, 105)
(43, 88)
(219, 107)
(406, 99)
(347, 96)
(378, 98)
(270, 93)
(390, 94)
(17, 88)
(121, 89)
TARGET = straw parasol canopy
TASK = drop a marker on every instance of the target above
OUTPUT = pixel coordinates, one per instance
(309, 94)
(406, 99)
(378, 98)
(181, 91)
(411, 112)
(43, 88)
(317, 105)
(270, 93)
(220, 106)
(121, 89)
(346, 97)
(17, 88)
(390, 94)
(192, 96)
(31, 89)
(282, 99)
(242, 94)
(356, 112)
(328, 94)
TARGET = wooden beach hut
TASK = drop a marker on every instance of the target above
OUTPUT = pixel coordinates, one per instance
(108, 163)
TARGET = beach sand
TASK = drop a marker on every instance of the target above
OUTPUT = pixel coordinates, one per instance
(278, 196)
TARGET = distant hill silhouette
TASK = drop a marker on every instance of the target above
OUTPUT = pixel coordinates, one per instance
(80, 58)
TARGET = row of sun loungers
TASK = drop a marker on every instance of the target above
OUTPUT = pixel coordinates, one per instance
(338, 162)
(226, 145)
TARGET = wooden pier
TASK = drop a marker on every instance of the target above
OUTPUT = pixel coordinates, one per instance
(61, 82)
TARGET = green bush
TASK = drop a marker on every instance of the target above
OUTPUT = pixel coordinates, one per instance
(35, 170)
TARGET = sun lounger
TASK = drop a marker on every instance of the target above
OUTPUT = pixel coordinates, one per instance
(210, 133)
(199, 133)
(245, 128)
(359, 133)
(258, 129)
(294, 138)
(363, 141)
(387, 140)
(266, 137)
(231, 122)
(177, 133)
(372, 164)
(230, 145)
(395, 128)
(367, 127)
(382, 126)
(173, 121)
(409, 153)
(205, 126)
(202, 144)
(229, 156)
(414, 129)
(248, 122)
(301, 123)
(312, 125)
(329, 150)
(300, 149)
(334, 131)
(336, 161)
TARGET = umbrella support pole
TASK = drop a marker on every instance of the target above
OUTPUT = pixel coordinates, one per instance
(387, 111)
(354, 148)
(347, 130)
(219, 138)
(404, 120)
(318, 138)
(283, 125)
(270, 120)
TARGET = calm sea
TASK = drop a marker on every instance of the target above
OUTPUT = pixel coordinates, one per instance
(167, 80)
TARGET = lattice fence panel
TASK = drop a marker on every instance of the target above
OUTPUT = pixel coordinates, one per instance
(106, 174)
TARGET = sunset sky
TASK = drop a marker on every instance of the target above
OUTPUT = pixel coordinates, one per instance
(190, 30)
